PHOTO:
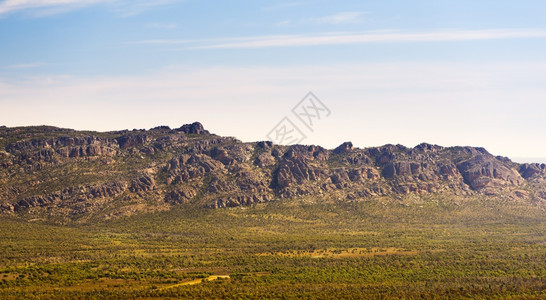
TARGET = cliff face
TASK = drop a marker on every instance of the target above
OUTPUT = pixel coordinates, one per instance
(67, 174)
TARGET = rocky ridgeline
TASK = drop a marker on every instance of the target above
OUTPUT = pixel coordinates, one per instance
(62, 172)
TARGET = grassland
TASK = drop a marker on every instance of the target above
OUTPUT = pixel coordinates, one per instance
(432, 247)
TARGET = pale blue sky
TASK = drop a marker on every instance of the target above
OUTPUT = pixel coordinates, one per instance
(445, 72)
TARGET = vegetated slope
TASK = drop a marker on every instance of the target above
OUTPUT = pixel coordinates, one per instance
(64, 175)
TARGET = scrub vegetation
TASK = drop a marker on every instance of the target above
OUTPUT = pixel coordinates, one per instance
(481, 247)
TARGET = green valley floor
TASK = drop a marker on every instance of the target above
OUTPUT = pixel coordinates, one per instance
(426, 247)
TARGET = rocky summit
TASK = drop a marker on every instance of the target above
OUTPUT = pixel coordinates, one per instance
(67, 175)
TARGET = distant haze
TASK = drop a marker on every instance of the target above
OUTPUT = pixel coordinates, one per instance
(522, 160)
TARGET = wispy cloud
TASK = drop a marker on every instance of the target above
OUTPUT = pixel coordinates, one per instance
(128, 8)
(387, 36)
(40, 8)
(284, 23)
(195, 42)
(160, 25)
(379, 37)
(350, 17)
(284, 5)
(25, 66)
(9, 6)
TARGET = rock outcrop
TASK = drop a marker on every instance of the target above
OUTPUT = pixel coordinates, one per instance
(70, 197)
(143, 183)
(482, 171)
(528, 171)
(344, 148)
(194, 128)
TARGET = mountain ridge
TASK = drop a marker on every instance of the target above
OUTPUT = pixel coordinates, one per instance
(70, 175)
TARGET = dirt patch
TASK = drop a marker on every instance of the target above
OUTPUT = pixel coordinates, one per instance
(344, 253)
(197, 281)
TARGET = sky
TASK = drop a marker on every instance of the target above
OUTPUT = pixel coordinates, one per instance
(384, 72)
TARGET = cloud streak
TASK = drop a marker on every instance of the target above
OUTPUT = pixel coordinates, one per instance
(128, 8)
(42, 8)
(348, 38)
(160, 25)
(378, 37)
(350, 17)
(25, 66)
(9, 6)
(281, 6)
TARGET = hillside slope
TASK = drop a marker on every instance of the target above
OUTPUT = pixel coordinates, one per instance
(67, 175)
